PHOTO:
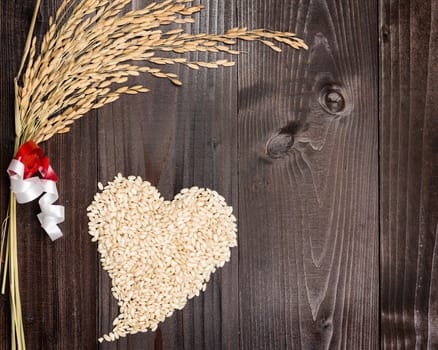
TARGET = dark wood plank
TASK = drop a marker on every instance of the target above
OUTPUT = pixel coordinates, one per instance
(13, 18)
(409, 174)
(176, 138)
(308, 254)
(57, 280)
(59, 286)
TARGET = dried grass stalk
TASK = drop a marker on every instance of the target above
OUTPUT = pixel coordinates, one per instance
(92, 48)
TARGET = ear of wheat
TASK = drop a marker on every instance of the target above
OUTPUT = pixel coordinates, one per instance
(86, 57)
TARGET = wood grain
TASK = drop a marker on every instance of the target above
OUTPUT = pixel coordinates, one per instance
(409, 174)
(176, 138)
(308, 254)
(292, 140)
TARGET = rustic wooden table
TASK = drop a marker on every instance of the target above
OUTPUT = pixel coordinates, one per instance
(338, 245)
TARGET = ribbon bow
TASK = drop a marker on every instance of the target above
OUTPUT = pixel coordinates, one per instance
(30, 160)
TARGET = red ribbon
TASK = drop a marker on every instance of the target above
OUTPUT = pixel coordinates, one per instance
(34, 160)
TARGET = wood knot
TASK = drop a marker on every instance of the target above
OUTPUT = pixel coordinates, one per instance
(332, 99)
(280, 143)
(384, 33)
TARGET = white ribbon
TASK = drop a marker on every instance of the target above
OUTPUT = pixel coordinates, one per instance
(26, 190)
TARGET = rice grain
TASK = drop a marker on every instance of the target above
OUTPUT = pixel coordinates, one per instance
(158, 253)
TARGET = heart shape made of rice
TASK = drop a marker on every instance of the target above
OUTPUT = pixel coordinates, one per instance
(158, 253)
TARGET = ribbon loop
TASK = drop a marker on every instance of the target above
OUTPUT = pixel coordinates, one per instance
(29, 160)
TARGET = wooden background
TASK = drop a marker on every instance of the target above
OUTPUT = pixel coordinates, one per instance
(329, 157)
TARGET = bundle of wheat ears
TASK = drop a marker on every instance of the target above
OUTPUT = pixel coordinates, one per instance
(84, 61)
